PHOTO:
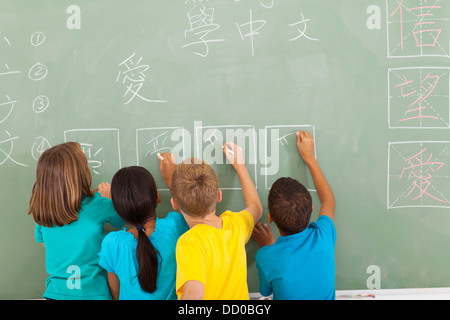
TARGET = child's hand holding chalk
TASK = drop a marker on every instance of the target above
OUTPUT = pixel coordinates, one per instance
(167, 165)
(233, 153)
(228, 149)
(305, 145)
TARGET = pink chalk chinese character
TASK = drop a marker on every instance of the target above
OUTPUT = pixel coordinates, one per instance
(419, 172)
(428, 85)
(425, 32)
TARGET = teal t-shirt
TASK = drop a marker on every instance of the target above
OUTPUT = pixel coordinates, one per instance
(118, 256)
(300, 266)
(72, 252)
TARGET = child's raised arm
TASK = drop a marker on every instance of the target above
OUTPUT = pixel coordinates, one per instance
(235, 156)
(305, 144)
(167, 165)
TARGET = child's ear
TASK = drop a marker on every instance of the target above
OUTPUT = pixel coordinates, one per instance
(174, 204)
(219, 196)
(158, 197)
(269, 217)
(312, 210)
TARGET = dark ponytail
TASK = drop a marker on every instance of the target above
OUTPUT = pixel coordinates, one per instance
(134, 196)
(148, 262)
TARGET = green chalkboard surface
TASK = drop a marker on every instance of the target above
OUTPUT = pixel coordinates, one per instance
(129, 79)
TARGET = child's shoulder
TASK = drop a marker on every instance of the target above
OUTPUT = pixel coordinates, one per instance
(192, 237)
(242, 219)
(173, 221)
(172, 217)
(118, 236)
(237, 215)
(323, 222)
(96, 200)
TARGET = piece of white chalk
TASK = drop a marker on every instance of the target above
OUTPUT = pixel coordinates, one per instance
(159, 156)
(229, 150)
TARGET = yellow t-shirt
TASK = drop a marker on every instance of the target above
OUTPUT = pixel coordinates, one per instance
(216, 257)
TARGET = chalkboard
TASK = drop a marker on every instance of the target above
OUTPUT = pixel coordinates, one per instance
(128, 79)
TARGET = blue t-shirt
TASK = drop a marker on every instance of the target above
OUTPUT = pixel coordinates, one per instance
(118, 256)
(72, 252)
(300, 266)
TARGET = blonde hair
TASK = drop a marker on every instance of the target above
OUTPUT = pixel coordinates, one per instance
(195, 187)
(63, 180)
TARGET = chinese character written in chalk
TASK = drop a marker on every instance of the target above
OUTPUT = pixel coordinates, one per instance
(420, 173)
(133, 76)
(201, 26)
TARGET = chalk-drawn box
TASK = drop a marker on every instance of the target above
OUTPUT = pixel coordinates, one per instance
(208, 146)
(419, 98)
(418, 174)
(282, 140)
(416, 28)
(102, 149)
(151, 141)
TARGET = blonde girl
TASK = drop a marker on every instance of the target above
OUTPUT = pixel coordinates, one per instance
(70, 220)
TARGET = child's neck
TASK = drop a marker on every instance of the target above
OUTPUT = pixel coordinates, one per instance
(210, 219)
(149, 227)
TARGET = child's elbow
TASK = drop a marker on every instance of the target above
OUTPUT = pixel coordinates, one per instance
(258, 211)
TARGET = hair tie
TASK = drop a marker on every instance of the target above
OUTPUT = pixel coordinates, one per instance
(139, 228)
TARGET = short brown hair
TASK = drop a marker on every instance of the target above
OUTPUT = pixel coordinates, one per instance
(63, 180)
(195, 187)
(290, 205)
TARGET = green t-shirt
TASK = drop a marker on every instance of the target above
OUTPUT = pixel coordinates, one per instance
(72, 252)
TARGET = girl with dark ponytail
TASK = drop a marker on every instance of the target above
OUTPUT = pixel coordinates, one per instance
(134, 196)
(140, 260)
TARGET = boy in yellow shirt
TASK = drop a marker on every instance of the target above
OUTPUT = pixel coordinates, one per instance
(211, 257)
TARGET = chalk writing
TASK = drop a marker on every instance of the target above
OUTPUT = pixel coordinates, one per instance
(418, 175)
(151, 141)
(201, 25)
(208, 146)
(419, 98)
(301, 28)
(40, 104)
(102, 157)
(37, 72)
(133, 76)
(8, 71)
(418, 28)
(39, 146)
(7, 148)
(6, 108)
(253, 27)
(92, 153)
(280, 142)
(268, 4)
(37, 39)
(204, 31)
